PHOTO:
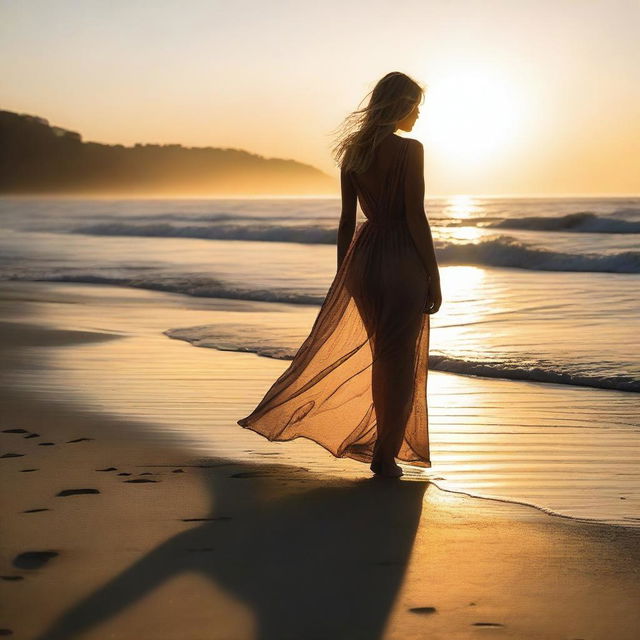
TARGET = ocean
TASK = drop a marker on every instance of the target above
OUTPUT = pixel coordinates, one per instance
(538, 291)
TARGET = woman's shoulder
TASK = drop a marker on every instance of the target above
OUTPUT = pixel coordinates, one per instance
(412, 146)
(414, 150)
(412, 143)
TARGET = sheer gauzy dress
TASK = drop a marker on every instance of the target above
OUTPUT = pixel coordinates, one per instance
(358, 381)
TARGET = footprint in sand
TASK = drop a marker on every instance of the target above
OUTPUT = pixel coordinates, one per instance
(35, 510)
(178, 471)
(6, 632)
(108, 469)
(32, 435)
(79, 440)
(12, 455)
(46, 444)
(33, 559)
(124, 474)
(76, 492)
(14, 431)
(12, 578)
(487, 624)
(423, 609)
(141, 480)
(27, 470)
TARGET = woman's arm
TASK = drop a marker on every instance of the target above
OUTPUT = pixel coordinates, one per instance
(347, 216)
(416, 216)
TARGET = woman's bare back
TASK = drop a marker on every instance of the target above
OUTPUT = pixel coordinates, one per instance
(384, 158)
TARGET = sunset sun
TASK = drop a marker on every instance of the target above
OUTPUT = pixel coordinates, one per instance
(469, 118)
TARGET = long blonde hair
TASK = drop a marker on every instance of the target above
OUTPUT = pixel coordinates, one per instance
(393, 98)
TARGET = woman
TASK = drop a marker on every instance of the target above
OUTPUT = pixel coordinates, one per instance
(357, 385)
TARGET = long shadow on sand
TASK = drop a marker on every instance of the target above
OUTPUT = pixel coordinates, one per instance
(314, 557)
(323, 561)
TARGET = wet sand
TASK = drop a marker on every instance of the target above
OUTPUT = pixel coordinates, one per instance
(133, 507)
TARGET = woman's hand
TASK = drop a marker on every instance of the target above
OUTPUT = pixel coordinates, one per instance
(434, 297)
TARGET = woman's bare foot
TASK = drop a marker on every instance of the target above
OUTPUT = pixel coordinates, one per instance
(386, 468)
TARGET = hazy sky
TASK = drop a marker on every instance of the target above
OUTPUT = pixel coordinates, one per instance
(525, 97)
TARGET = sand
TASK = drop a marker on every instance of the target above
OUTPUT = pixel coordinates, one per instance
(126, 516)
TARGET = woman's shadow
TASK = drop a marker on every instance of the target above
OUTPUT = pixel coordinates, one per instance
(313, 557)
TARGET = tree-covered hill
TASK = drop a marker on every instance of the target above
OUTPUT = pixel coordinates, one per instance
(38, 158)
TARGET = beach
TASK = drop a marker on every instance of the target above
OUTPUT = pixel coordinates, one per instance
(221, 233)
(135, 507)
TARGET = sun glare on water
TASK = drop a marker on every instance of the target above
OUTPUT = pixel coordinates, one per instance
(461, 206)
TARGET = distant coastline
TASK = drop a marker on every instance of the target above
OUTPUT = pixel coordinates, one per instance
(41, 159)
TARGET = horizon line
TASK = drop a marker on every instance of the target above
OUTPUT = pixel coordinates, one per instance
(151, 196)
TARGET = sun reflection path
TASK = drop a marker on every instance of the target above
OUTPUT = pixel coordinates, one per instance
(453, 224)
(460, 308)
(461, 206)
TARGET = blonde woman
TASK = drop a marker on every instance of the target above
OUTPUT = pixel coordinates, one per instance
(357, 384)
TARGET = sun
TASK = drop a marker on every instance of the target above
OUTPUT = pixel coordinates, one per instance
(471, 117)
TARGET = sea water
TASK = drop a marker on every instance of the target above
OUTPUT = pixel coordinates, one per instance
(540, 291)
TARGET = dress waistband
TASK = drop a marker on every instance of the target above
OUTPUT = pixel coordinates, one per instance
(387, 223)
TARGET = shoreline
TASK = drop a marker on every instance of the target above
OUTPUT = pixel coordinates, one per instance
(566, 451)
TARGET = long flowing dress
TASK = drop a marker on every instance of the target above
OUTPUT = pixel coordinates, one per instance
(358, 381)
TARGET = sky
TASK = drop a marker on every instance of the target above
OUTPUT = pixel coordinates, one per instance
(524, 97)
